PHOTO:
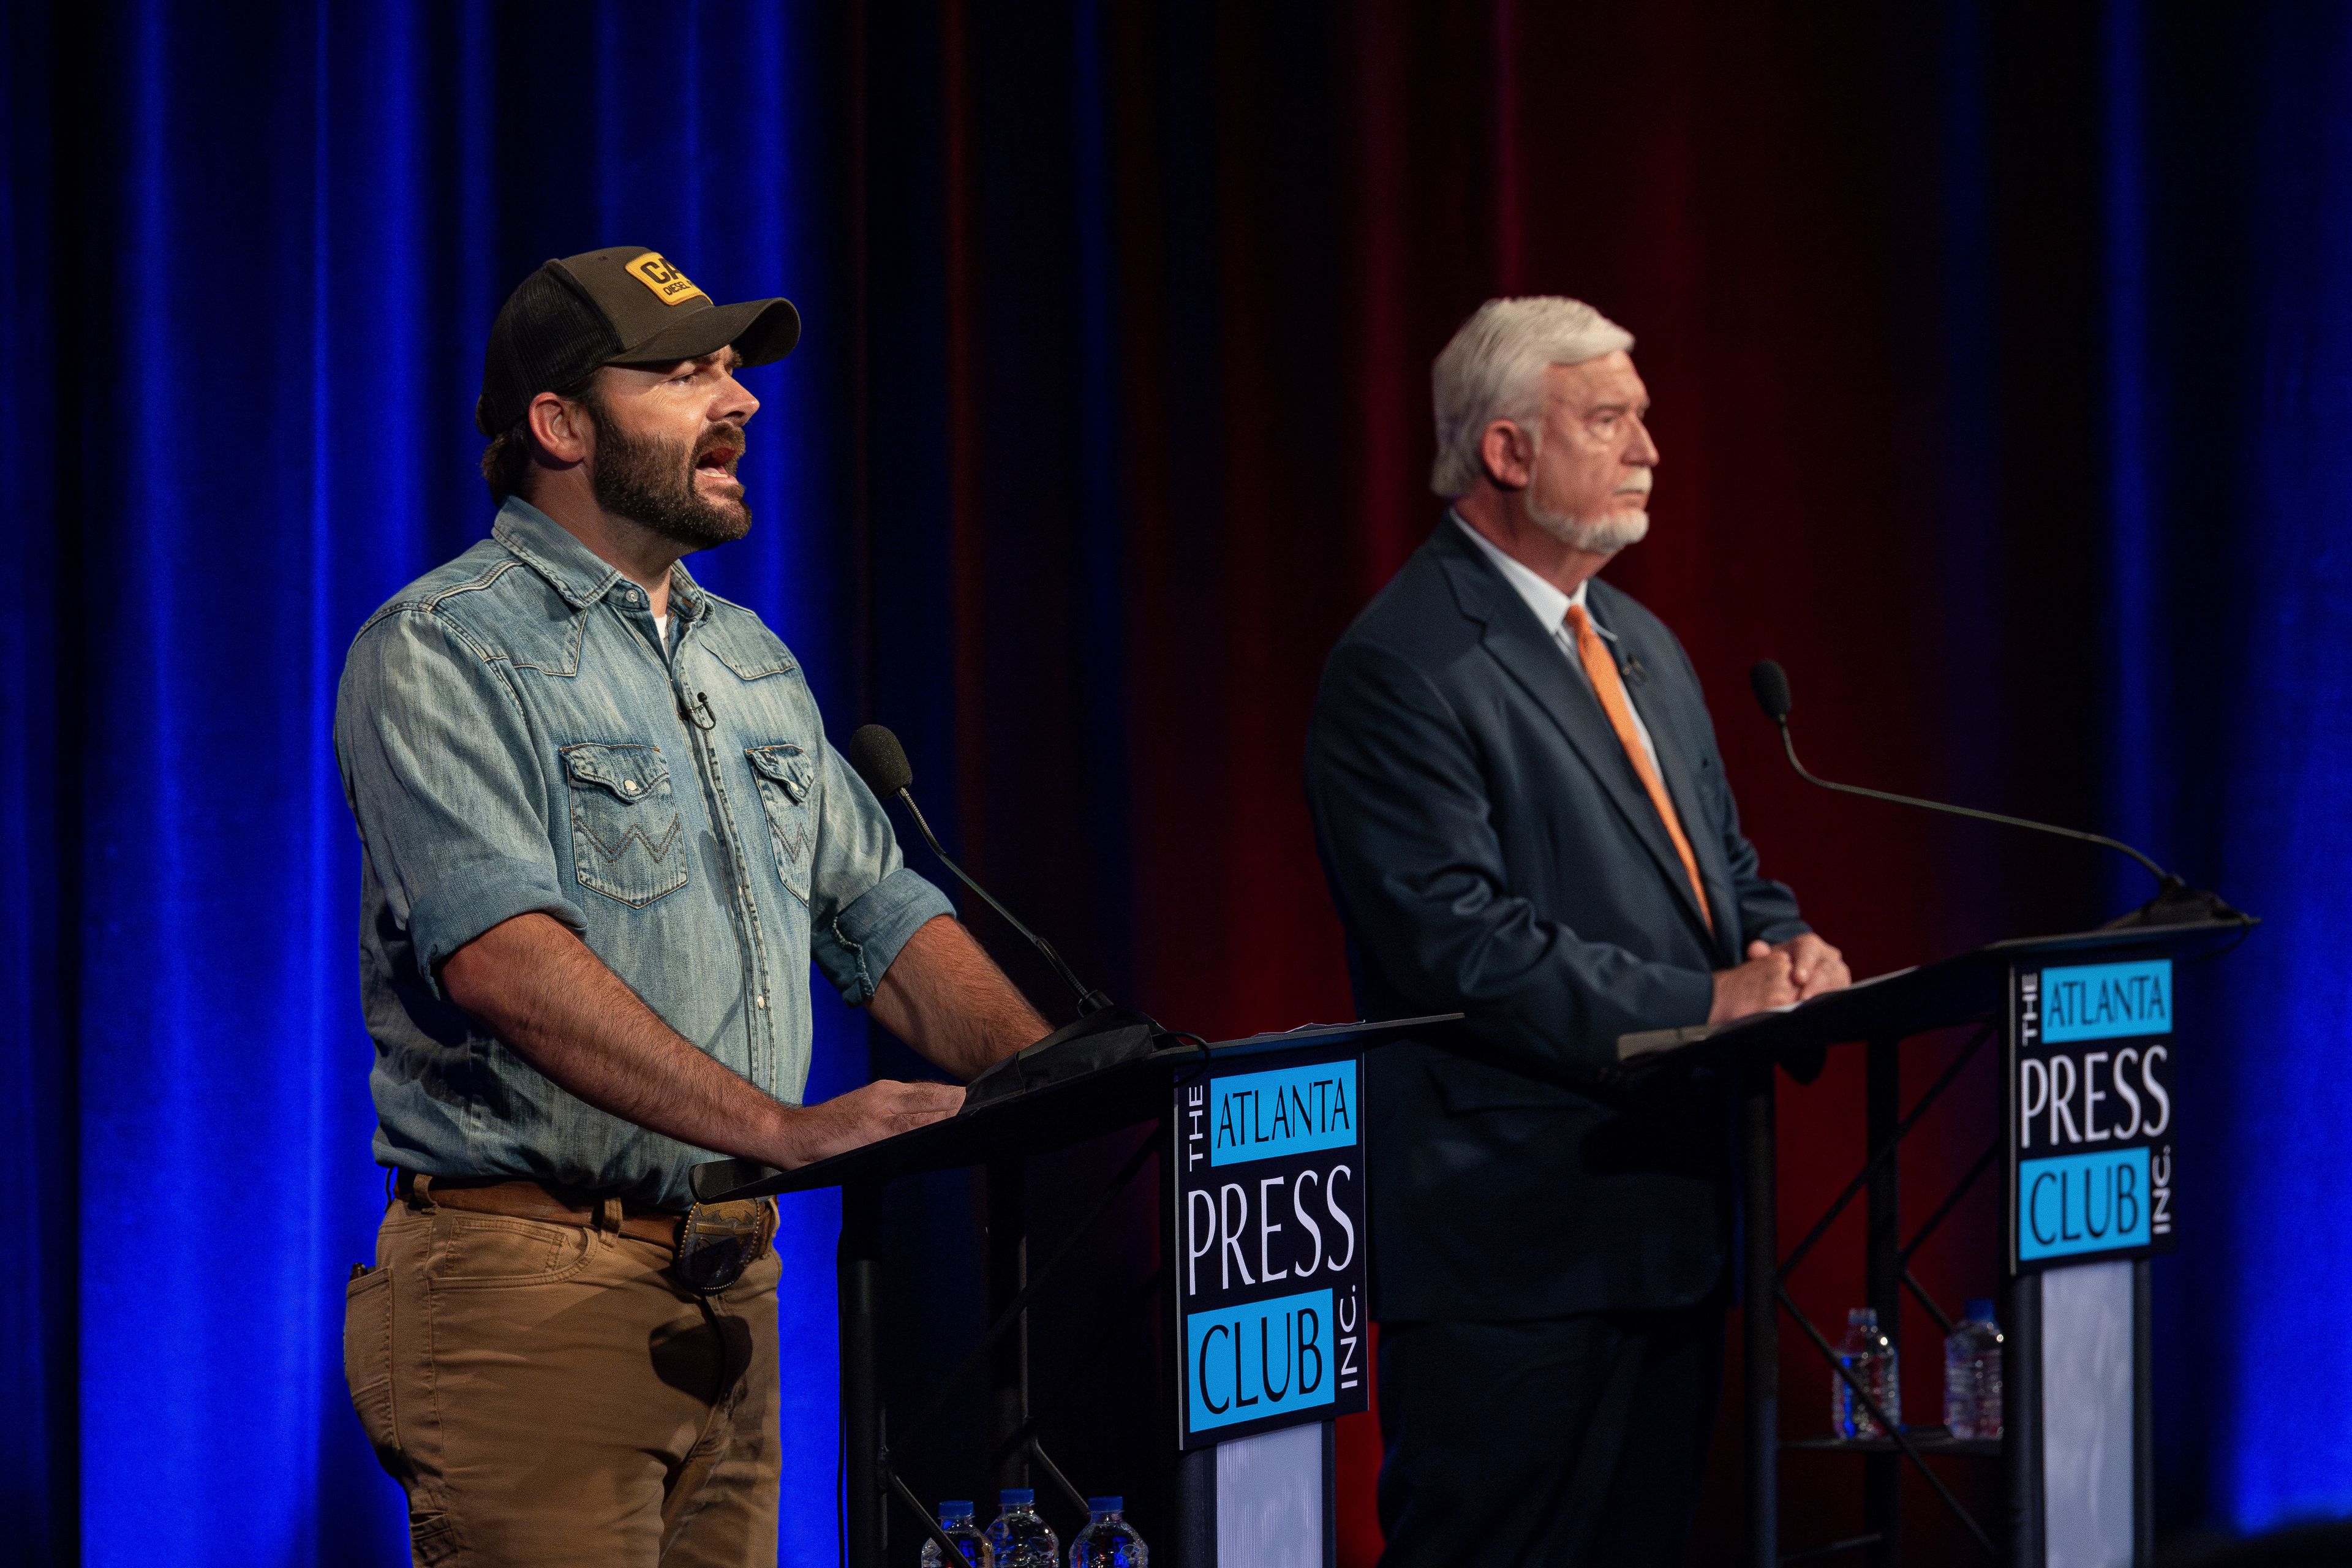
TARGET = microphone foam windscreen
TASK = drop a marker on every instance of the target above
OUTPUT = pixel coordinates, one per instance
(881, 760)
(1770, 684)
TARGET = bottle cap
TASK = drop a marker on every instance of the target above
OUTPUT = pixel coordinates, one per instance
(1105, 1504)
(957, 1510)
(1980, 1309)
(1861, 1317)
(1016, 1497)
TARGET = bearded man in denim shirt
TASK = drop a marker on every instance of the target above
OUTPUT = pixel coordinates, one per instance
(604, 838)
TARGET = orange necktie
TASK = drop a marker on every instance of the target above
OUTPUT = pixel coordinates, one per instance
(1611, 692)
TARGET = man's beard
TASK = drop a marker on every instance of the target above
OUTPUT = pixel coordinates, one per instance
(1604, 535)
(652, 482)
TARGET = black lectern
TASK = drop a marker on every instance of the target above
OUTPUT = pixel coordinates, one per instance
(1261, 1282)
(2084, 1023)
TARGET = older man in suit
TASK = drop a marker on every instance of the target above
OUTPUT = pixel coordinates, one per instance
(1524, 818)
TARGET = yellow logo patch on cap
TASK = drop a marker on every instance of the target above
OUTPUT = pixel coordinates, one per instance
(669, 285)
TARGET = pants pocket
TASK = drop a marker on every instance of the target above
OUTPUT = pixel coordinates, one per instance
(367, 1362)
(432, 1538)
(479, 1252)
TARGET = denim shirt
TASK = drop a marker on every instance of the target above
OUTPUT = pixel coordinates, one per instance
(514, 737)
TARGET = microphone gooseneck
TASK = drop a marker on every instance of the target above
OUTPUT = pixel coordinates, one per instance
(878, 758)
(2175, 901)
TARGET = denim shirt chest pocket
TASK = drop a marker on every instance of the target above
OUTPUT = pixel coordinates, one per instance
(627, 835)
(787, 778)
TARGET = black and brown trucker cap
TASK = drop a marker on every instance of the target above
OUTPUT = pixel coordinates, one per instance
(621, 305)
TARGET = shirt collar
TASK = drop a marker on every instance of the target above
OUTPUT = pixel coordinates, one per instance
(686, 598)
(1549, 604)
(570, 568)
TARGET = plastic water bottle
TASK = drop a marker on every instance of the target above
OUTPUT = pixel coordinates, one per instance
(1108, 1540)
(1972, 1374)
(1871, 1356)
(1018, 1538)
(959, 1520)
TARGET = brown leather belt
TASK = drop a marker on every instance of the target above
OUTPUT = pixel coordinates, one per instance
(537, 1200)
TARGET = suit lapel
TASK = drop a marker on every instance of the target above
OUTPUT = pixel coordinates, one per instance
(1705, 847)
(1670, 735)
(1531, 658)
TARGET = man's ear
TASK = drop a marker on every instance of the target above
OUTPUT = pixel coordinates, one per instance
(561, 427)
(1507, 454)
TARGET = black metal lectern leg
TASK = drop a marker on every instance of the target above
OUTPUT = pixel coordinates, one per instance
(2143, 1414)
(1008, 1360)
(1759, 1313)
(857, 1272)
(2021, 1374)
(1882, 1474)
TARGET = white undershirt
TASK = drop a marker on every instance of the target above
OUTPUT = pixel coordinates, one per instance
(661, 630)
(1550, 608)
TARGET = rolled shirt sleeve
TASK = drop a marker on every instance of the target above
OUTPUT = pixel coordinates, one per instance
(857, 947)
(442, 777)
(865, 902)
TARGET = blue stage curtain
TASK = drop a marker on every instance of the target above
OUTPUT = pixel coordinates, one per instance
(2236, 719)
(290, 227)
(2284, 802)
(2226, 611)
(38, 903)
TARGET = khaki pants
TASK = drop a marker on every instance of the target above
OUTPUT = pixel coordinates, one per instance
(546, 1395)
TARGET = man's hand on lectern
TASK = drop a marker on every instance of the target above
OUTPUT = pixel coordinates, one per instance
(1814, 966)
(883, 1109)
(1756, 985)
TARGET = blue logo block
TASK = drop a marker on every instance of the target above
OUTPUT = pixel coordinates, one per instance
(2106, 1001)
(2083, 1203)
(1289, 1111)
(1259, 1359)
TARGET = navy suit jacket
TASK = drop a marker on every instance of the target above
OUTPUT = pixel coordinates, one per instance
(1493, 852)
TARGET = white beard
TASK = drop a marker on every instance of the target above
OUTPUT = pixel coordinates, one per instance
(1604, 535)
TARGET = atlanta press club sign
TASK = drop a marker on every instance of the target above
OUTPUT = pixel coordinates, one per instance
(1266, 1246)
(2090, 1112)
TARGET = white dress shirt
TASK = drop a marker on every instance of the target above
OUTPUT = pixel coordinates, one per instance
(1550, 606)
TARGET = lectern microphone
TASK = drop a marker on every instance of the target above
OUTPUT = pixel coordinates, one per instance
(881, 762)
(1105, 1034)
(2176, 902)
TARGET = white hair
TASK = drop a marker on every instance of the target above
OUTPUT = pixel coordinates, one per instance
(1494, 369)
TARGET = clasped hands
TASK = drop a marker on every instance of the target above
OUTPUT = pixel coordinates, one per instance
(1777, 975)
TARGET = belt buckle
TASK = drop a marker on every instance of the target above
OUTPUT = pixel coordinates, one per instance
(716, 1242)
